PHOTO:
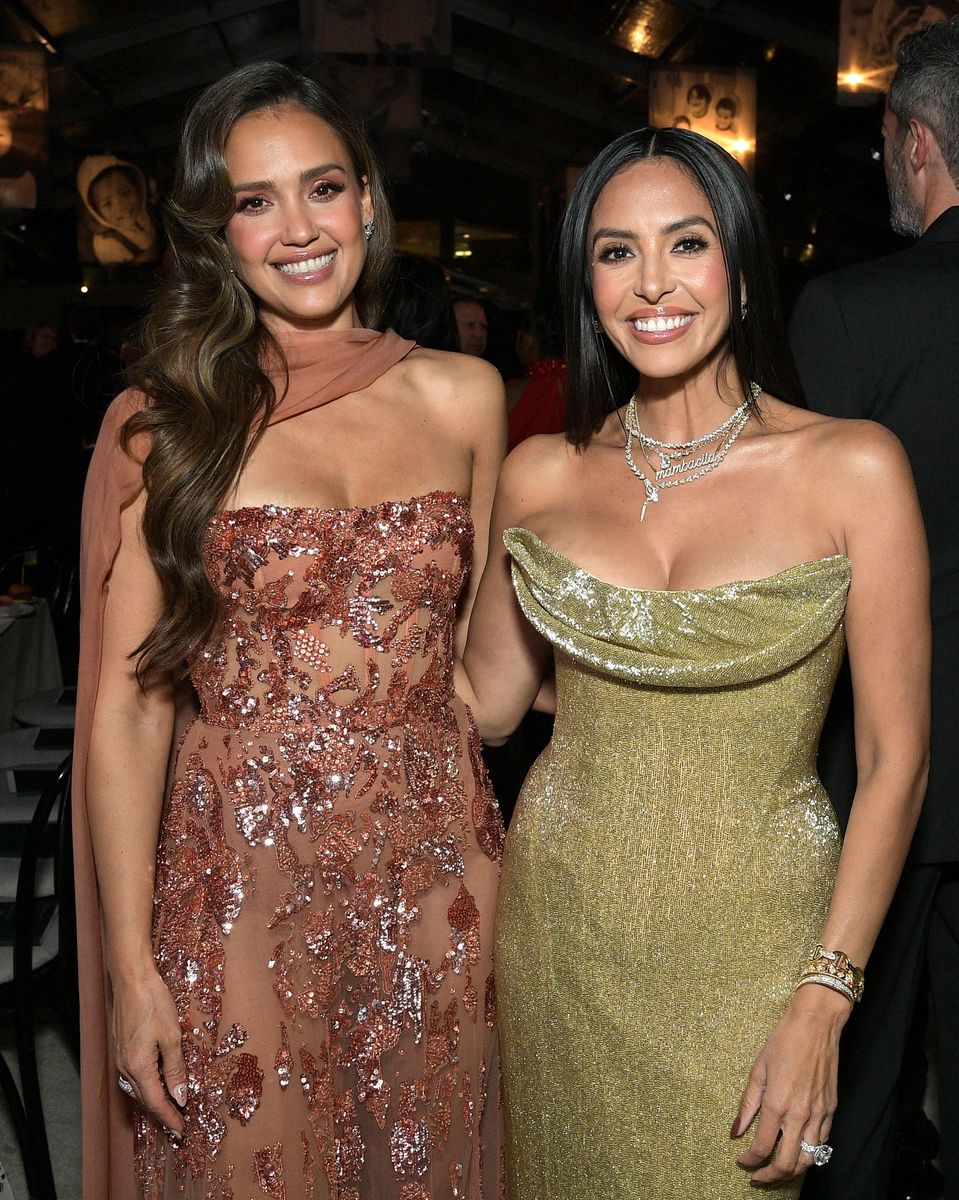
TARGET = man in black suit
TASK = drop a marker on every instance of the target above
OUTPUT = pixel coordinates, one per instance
(881, 340)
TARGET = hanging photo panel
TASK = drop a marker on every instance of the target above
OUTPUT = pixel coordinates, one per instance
(420, 27)
(387, 98)
(23, 124)
(719, 104)
(869, 32)
(114, 223)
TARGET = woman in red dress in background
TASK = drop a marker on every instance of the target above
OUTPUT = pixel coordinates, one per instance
(537, 401)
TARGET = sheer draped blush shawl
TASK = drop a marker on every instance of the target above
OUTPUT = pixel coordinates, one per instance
(322, 367)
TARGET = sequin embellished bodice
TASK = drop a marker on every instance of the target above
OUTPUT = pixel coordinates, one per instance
(333, 615)
(669, 863)
(327, 872)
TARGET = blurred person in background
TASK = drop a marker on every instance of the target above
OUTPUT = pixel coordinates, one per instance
(537, 401)
(472, 326)
(41, 340)
(879, 340)
(419, 305)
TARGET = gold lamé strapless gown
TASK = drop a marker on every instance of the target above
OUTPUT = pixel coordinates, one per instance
(668, 868)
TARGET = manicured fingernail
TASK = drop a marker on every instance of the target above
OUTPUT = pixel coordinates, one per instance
(179, 1094)
(734, 1132)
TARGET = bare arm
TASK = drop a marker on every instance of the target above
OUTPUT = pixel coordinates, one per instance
(129, 747)
(887, 628)
(482, 408)
(505, 661)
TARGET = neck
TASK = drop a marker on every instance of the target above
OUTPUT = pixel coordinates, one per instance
(344, 318)
(685, 407)
(938, 202)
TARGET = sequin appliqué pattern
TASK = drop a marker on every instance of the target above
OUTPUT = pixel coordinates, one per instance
(327, 873)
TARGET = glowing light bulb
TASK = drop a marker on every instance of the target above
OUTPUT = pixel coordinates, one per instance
(638, 37)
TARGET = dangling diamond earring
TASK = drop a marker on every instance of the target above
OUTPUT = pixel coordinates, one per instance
(368, 229)
(596, 325)
(743, 311)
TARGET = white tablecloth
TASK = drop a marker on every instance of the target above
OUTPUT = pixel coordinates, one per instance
(6, 1191)
(29, 661)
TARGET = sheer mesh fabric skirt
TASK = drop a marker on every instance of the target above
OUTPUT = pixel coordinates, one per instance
(327, 875)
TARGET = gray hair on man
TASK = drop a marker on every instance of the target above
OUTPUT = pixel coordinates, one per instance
(926, 86)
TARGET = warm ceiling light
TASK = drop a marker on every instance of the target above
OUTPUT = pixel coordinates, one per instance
(851, 79)
(638, 37)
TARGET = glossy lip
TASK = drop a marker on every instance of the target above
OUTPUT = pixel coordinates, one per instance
(659, 336)
(310, 276)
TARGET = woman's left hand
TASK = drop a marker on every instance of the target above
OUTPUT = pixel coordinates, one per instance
(793, 1086)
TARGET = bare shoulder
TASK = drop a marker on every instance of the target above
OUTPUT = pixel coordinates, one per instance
(838, 444)
(461, 386)
(535, 474)
(863, 453)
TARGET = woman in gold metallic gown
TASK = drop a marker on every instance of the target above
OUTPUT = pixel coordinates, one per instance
(674, 876)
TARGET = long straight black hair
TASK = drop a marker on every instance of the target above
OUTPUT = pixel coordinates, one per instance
(600, 379)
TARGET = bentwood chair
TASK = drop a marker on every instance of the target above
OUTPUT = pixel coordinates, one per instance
(48, 970)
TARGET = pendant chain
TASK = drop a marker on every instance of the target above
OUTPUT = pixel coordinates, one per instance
(674, 470)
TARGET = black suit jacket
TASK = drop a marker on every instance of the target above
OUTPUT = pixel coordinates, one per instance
(881, 340)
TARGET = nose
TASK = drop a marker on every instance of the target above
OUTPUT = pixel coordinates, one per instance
(299, 227)
(653, 279)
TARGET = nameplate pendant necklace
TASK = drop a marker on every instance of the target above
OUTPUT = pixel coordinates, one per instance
(681, 462)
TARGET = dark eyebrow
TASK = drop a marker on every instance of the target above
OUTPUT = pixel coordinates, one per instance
(624, 234)
(266, 185)
(673, 227)
(687, 223)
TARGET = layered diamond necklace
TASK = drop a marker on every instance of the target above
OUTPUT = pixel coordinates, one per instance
(682, 462)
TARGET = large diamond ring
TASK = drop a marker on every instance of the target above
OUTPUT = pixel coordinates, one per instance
(125, 1085)
(821, 1154)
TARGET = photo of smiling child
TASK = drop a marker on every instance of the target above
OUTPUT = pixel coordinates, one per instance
(719, 103)
(726, 116)
(114, 223)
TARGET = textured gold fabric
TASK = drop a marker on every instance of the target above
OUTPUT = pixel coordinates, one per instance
(667, 872)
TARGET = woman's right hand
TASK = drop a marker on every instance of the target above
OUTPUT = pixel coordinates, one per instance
(148, 1047)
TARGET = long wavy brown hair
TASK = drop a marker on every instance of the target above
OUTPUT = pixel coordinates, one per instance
(208, 396)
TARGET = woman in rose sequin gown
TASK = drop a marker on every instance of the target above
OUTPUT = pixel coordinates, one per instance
(295, 928)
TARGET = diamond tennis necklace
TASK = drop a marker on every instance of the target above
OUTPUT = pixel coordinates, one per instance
(675, 465)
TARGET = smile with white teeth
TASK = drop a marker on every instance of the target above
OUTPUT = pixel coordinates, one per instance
(661, 324)
(307, 266)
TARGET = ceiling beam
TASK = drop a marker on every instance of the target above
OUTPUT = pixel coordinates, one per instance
(502, 131)
(53, 46)
(455, 143)
(475, 66)
(465, 147)
(750, 18)
(125, 33)
(169, 83)
(554, 35)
